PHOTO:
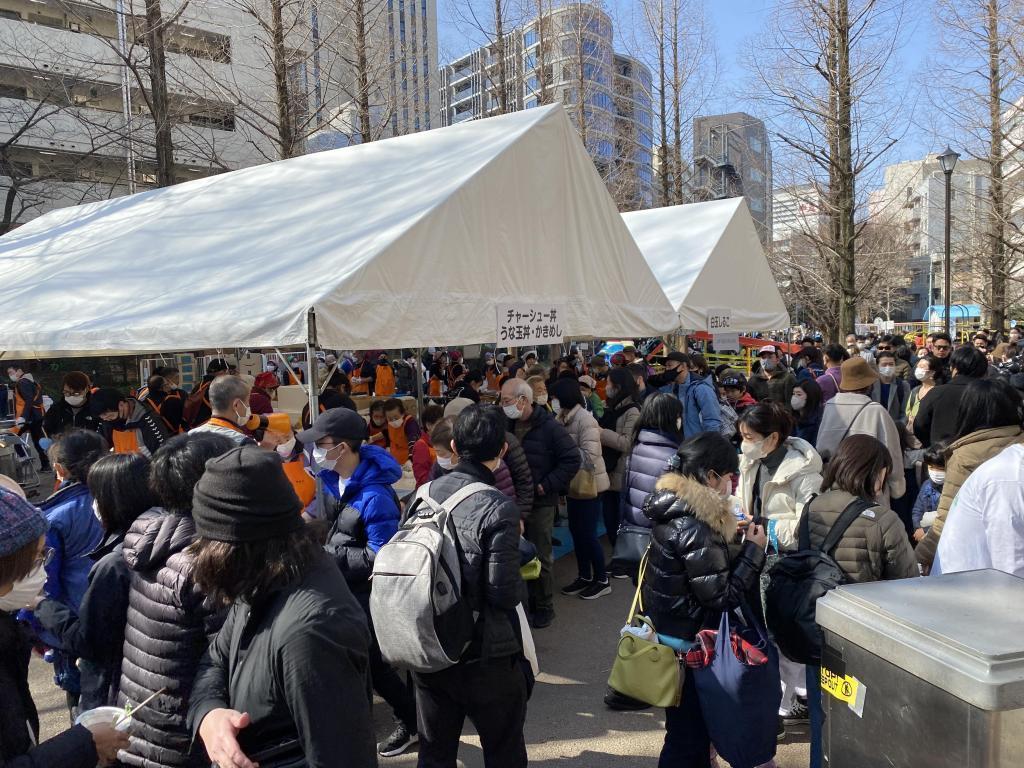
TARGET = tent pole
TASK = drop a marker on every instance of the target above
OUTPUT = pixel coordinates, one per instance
(314, 386)
(419, 384)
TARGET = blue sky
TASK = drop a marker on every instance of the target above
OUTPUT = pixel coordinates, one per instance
(735, 25)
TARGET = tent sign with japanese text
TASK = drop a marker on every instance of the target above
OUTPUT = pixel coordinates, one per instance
(724, 337)
(521, 325)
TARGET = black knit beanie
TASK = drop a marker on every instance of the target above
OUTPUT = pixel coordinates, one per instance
(243, 496)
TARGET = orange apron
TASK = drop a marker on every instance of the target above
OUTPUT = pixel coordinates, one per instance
(398, 444)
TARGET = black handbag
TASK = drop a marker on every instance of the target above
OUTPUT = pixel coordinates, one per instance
(631, 543)
(287, 754)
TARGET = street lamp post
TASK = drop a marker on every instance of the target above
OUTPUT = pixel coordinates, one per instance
(947, 161)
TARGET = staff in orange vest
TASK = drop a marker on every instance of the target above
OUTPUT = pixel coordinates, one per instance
(384, 378)
(403, 431)
(28, 409)
(128, 425)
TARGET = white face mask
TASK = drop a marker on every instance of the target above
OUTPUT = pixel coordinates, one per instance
(797, 402)
(25, 593)
(541, 400)
(244, 418)
(96, 510)
(320, 457)
(285, 450)
(937, 476)
(753, 450)
(679, 425)
(513, 412)
(378, 421)
(611, 392)
(14, 378)
(395, 423)
(887, 370)
(922, 373)
(445, 463)
(556, 406)
(75, 401)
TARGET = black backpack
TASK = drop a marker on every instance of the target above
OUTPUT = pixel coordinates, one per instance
(799, 579)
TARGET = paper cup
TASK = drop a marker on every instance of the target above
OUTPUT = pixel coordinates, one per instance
(108, 715)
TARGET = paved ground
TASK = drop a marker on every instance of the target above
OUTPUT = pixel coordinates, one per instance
(568, 725)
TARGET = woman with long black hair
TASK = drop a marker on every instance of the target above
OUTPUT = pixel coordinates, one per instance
(618, 425)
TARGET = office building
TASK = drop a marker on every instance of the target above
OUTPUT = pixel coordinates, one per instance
(76, 117)
(797, 211)
(607, 95)
(732, 157)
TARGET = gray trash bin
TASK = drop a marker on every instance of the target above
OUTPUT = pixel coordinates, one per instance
(924, 673)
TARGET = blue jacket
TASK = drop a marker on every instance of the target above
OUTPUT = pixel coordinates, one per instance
(73, 533)
(701, 411)
(647, 462)
(927, 501)
(365, 516)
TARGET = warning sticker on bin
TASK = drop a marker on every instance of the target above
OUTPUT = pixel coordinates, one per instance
(845, 688)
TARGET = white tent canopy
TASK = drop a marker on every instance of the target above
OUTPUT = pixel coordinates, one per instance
(708, 256)
(409, 242)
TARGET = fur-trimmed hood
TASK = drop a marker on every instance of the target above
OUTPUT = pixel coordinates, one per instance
(678, 496)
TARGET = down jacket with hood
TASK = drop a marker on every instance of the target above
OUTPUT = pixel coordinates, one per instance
(169, 627)
(783, 496)
(690, 576)
(874, 548)
(647, 462)
(965, 455)
(585, 432)
(364, 516)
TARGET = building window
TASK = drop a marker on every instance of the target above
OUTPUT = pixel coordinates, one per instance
(222, 121)
(530, 38)
(13, 92)
(756, 176)
(532, 102)
(756, 144)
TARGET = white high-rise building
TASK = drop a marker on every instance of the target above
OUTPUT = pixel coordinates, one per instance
(796, 210)
(74, 120)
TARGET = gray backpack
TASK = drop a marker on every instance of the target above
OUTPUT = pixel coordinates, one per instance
(416, 601)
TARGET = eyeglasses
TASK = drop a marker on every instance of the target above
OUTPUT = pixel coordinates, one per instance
(45, 558)
(940, 347)
(884, 349)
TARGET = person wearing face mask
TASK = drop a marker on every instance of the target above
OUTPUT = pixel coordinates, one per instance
(72, 534)
(773, 382)
(119, 484)
(230, 411)
(779, 473)
(504, 480)
(929, 372)
(540, 391)
(891, 392)
(618, 425)
(874, 548)
(28, 409)
(363, 511)
(584, 509)
(378, 424)
(72, 410)
(699, 398)
(692, 576)
(403, 430)
(554, 460)
(126, 424)
(808, 408)
(927, 503)
(23, 552)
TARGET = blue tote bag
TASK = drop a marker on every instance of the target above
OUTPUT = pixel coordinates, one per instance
(740, 703)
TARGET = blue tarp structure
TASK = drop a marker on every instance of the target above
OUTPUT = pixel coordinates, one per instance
(956, 311)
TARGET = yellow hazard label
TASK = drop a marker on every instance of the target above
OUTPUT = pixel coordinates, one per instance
(845, 688)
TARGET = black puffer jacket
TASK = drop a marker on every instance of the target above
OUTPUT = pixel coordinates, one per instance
(689, 579)
(62, 416)
(169, 624)
(553, 456)
(488, 528)
(522, 476)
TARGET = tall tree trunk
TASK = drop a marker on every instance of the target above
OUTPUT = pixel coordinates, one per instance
(158, 100)
(663, 108)
(362, 74)
(677, 108)
(846, 193)
(285, 114)
(542, 56)
(997, 204)
(499, 51)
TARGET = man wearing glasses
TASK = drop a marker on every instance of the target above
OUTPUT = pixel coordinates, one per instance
(72, 410)
(942, 347)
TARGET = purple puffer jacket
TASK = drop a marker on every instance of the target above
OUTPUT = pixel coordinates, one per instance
(647, 462)
(502, 478)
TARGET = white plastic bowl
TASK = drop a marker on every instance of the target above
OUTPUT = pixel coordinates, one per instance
(108, 715)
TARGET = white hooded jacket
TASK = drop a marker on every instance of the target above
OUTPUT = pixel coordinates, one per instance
(796, 480)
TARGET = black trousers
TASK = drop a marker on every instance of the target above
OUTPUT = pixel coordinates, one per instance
(610, 501)
(492, 695)
(388, 684)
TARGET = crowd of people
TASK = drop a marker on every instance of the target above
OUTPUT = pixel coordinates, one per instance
(195, 550)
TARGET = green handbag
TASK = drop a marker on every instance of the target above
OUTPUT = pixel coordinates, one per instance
(645, 670)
